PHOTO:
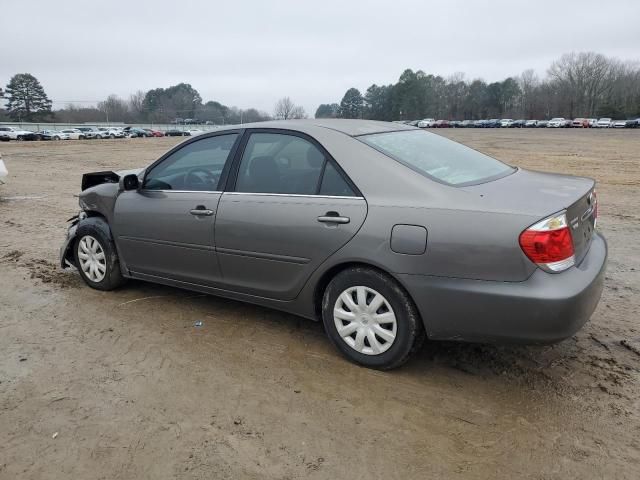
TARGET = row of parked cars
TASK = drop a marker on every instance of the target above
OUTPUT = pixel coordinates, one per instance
(558, 122)
(90, 133)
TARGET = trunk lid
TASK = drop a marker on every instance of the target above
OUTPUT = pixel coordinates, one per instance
(540, 195)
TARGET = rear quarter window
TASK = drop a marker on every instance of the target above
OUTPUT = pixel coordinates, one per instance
(438, 158)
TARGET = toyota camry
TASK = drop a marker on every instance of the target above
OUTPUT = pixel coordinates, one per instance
(386, 233)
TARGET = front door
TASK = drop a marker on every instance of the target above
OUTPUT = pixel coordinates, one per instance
(166, 229)
(291, 208)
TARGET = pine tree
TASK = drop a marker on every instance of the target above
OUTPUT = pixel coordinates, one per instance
(352, 104)
(27, 100)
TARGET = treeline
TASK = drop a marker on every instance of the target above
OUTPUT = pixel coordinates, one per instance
(161, 105)
(27, 101)
(583, 84)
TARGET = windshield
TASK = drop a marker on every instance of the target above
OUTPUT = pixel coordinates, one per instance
(437, 157)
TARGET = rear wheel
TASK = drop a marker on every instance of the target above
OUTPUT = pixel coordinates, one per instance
(371, 319)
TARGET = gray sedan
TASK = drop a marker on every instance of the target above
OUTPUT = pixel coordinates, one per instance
(386, 233)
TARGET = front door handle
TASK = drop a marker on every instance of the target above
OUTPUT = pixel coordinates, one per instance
(201, 211)
(333, 217)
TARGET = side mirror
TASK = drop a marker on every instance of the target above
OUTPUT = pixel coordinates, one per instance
(130, 182)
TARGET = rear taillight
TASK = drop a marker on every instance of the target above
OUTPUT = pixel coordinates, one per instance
(549, 244)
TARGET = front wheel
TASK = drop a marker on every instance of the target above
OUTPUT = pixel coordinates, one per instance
(96, 257)
(371, 319)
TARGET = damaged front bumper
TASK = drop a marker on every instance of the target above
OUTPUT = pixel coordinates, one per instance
(67, 259)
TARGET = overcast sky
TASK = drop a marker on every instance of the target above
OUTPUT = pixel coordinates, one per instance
(250, 53)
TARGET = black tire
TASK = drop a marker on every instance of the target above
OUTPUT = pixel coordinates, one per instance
(98, 229)
(99, 137)
(19, 138)
(410, 332)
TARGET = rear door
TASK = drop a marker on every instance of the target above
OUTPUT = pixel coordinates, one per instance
(289, 208)
(165, 229)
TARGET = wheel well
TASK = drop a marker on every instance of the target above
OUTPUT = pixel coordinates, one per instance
(335, 270)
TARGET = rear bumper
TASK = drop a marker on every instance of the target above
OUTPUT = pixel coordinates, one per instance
(545, 308)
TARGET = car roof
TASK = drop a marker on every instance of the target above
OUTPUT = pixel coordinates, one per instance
(352, 128)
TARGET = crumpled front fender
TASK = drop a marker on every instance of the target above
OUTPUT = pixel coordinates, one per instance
(67, 259)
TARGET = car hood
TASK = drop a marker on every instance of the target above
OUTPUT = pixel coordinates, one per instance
(527, 192)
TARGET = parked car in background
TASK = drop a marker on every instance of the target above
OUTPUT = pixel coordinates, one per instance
(135, 132)
(53, 135)
(580, 123)
(17, 133)
(426, 123)
(542, 123)
(558, 122)
(466, 124)
(506, 123)
(592, 122)
(493, 123)
(531, 123)
(90, 132)
(633, 123)
(174, 132)
(3, 172)
(619, 124)
(518, 124)
(196, 131)
(442, 124)
(74, 133)
(111, 132)
(480, 124)
(371, 273)
(603, 123)
(154, 133)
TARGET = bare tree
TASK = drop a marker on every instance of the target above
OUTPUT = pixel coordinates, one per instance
(586, 77)
(136, 104)
(285, 109)
(114, 108)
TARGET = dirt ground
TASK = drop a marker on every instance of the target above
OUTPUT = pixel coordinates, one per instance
(122, 385)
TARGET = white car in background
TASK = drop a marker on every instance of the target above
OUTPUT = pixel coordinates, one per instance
(14, 133)
(3, 172)
(506, 123)
(427, 123)
(603, 123)
(619, 124)
(194, 131)
(74, 133)
(558, 122)
(111, 132)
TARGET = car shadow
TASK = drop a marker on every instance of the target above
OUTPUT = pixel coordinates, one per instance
(528, 363)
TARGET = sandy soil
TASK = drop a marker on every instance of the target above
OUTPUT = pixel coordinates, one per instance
(130, 388)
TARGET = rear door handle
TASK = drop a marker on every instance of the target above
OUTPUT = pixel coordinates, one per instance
(201, 211)
(333, 217)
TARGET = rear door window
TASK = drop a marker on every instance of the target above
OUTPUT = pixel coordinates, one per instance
(280, 163)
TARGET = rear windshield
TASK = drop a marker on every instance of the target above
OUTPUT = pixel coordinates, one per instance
(437, 157)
